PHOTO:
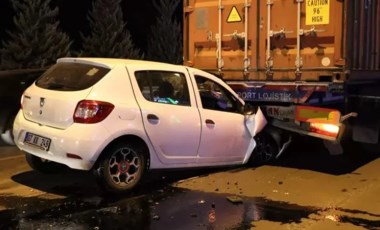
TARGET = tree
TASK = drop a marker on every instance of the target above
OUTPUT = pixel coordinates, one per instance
(36, 41)
(109, 36)
(165, 42)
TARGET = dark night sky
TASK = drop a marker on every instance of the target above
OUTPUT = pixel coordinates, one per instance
(73, 18)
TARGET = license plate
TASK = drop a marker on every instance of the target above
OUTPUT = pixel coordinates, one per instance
(37, 141)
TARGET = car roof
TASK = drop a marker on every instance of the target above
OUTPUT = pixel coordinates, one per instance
(112, 62)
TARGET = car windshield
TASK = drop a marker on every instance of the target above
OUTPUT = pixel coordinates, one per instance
(71, 76)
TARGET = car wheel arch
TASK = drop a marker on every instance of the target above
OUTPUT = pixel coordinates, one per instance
(126, 139)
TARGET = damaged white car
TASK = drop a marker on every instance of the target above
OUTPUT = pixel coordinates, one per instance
(123, 117)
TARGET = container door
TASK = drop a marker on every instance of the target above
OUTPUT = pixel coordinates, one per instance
(301, 40)
(265, 39)
(218, 36)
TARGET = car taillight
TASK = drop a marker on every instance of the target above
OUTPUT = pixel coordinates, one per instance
(90, 112)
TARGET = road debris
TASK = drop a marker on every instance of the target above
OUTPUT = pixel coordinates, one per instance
(235, 199)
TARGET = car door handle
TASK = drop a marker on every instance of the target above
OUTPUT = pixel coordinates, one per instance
(152, 117)
(210, 122)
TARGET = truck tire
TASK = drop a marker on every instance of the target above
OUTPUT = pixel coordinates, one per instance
(121, 167)
(267, 148)
(42, 165)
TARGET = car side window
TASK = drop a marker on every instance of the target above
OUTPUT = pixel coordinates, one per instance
(163, 87)
(216, 97)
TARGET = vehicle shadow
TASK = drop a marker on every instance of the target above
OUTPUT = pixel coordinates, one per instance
(67, 182)
(310, 154)
(304, 153)
(76, 183)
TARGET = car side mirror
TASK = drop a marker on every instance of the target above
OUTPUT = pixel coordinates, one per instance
(249, 109)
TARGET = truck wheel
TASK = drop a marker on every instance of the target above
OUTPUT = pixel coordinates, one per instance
(121, 168)
(266, 149)
(42, 165)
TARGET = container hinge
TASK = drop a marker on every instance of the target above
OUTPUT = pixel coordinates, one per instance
(269, 63)
(298, 73)
(247, 62)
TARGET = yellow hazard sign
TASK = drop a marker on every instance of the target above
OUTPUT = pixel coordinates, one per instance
(317, 12)
(234, 15)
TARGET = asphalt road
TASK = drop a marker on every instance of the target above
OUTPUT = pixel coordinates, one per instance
(306, 189)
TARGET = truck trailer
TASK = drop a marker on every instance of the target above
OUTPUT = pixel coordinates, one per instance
(313, 66)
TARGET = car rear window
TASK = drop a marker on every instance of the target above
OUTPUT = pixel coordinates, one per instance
(71, 76)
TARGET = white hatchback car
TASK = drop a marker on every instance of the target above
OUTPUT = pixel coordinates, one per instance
(121, 117)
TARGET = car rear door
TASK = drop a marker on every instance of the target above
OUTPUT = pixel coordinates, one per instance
(170, 116)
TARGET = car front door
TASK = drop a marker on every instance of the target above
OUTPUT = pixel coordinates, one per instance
(225, 137)
(170, 116)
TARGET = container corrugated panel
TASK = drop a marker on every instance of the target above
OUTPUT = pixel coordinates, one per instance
(280, 40)
(363, 35)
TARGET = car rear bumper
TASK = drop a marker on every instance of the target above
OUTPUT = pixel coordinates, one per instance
(63, 142)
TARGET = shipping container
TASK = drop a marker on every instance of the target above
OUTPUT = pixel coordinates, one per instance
(266, 40)
(303, 61)
(307, 40)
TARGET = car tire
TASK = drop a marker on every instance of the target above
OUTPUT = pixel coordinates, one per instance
(42, 165)
(266, 149)
(121, 168)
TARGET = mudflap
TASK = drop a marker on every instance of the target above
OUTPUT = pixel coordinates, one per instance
(334, 148)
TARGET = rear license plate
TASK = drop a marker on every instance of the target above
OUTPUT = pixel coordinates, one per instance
(37, 141)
